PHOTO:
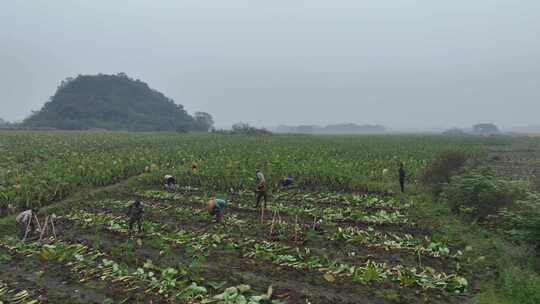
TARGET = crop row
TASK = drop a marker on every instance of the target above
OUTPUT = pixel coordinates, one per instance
(297, 258)
(350, 234)
(168, 283)
(11, 295)
(330, 214)
(296, 198)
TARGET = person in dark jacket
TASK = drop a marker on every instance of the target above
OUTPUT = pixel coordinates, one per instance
(287, 182)
(135, 213)
(402, 176)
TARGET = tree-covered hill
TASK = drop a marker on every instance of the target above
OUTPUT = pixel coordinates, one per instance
(114, 102)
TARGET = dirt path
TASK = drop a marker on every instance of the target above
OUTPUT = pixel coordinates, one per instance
(50, 282)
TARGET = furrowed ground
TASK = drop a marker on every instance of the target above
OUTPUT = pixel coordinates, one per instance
(342, 235)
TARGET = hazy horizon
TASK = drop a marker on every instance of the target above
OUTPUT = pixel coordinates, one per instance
(401, 64)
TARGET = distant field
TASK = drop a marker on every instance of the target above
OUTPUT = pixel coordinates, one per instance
(39, 167)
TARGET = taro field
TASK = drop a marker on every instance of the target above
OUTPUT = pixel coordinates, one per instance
(342, 234)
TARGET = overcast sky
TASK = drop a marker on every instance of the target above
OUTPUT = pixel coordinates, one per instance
(394, 62)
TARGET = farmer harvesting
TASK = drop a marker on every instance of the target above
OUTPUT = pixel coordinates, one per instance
(135, 212)
(24, 219)
(216, 207)
(170, 182)
(261, 191)
(287, 182)
(402, 175)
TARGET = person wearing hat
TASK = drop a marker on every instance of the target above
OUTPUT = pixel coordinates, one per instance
(216, 207)
(24, 219)
(261, 190)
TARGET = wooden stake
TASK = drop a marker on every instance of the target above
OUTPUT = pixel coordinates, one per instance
(27, 229)
(49, 221)
(273, 222)
(262, 214)
(44, 228)
(296, 228)
(53, 229)
(37, 221)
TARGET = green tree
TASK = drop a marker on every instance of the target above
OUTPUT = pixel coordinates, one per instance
(486, 129)
(203, 122)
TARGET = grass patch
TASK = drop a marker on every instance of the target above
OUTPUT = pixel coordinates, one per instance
(500, 271)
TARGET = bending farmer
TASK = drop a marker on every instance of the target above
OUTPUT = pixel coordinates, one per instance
(170, 183)
(216, 207)
(24, 219)
(287, 182)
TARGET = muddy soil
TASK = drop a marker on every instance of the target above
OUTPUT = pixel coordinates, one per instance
(232, 268)
(319, 243)
(261, 274)
(223, 265)
(51, 283)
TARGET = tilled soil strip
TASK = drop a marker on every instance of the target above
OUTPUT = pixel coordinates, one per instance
(346, 252)
(397, 286)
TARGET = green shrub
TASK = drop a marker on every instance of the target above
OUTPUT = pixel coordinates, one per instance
(446, 165)
(481, 193)
(522, 222)
(521, 286)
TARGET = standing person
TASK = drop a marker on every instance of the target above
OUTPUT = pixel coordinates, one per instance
(262, 189)
(24, 218)
(135, 213)
(402, 175)
(216, 207)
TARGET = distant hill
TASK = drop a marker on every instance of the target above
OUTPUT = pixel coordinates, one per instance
(114, 102)
(349, 128)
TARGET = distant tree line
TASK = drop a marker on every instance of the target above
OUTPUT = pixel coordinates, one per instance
(349, 128)
(242, 128)
(478, 129)
(114, 102)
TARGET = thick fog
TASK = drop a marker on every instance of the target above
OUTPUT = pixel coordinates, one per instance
(403, 64)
